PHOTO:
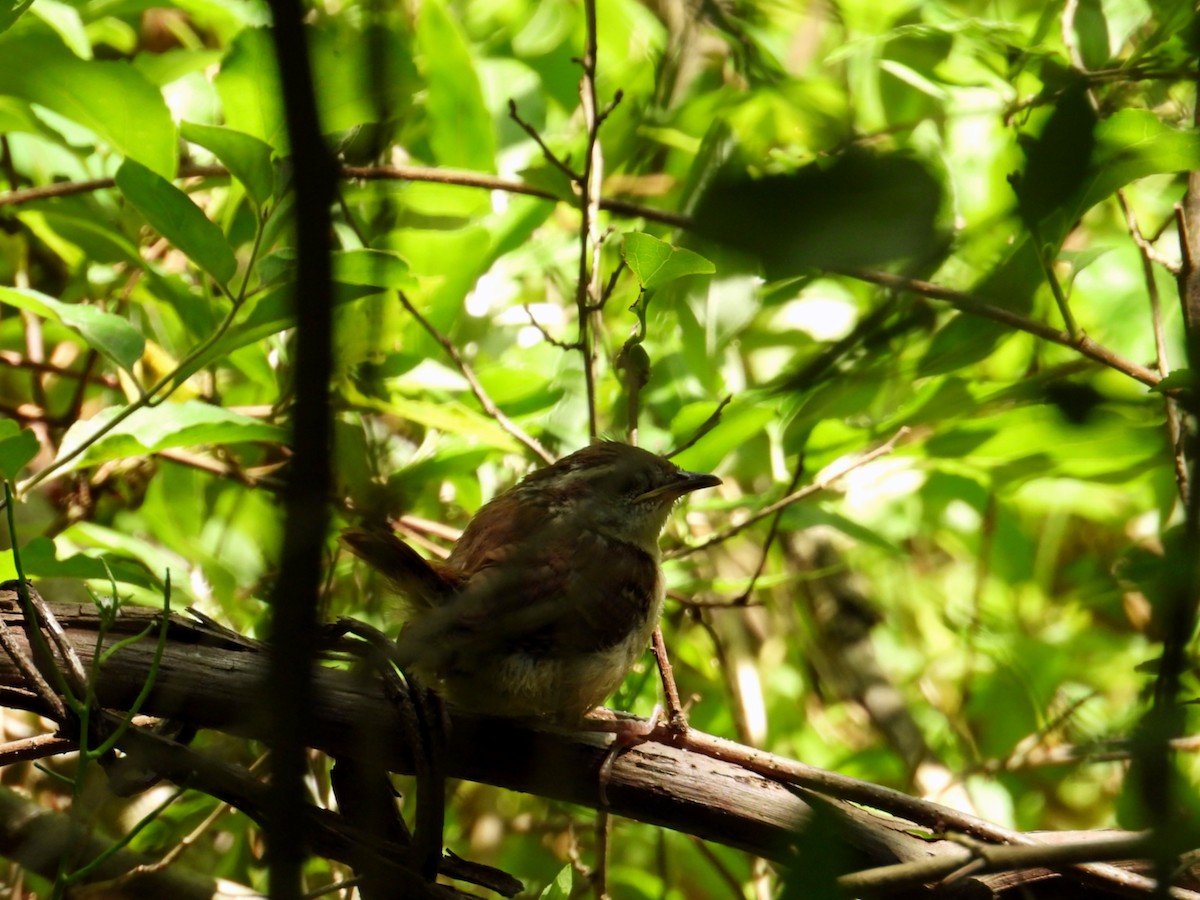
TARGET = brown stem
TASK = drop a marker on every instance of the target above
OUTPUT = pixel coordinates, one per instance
(481, 395)
(976, 306)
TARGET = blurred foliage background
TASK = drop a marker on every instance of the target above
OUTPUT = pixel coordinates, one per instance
(966, 617)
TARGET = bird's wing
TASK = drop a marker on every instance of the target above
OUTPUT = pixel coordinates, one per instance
(542, 604)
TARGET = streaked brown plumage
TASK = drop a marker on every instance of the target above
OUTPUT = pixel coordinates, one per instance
(551, 593)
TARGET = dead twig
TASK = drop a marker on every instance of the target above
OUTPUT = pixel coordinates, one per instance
(489, 406)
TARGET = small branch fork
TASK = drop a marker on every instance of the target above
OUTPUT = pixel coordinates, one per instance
(481, 395)
(822, 481)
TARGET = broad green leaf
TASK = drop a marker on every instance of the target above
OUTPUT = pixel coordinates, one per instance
(173, 215)
(67, 24)
(372, 268)
(1129, 145)
(453, 418)
(460, 127)
(111, 335)
(654, 262)
(246, 157)
(17, 447)
(78, 238)
(741, 421)
(39, 560)
(1132, 144)
(249, 87)
(366, 76)
(111, 98)
(151, 429)
(1091, 32)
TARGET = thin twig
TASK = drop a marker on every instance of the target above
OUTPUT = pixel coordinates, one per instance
(37, 747)
(1144, 243)
(56, 708)
(824, 479)
(587, 287)
(976, 306)
(732, 883)
(17, 361)
(481, 395)
(551, 156)
(1060, 298)
(977, 858)
(427, 174)
(667, 675)
(600, 871)
(1174, 427)
(705, 427)
(743, 599)
(69, 188)
(549, 338)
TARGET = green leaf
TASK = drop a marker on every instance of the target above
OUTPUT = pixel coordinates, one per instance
(11, 11)
(17, 447)
(250, 91)
(654, 262)
(372, 268)
(460, 127)
(68, 25)
(453, 418)
(111, 335)
(859, 210)
(38, 559)
(246, 157)
(564, 882)
(1132, 144)
(742, 421)
(366, 75)
(113, 99)
(1091, 32)
(173, 215)
(1180, 379)
(151, 429)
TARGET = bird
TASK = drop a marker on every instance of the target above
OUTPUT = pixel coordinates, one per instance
(551, 593)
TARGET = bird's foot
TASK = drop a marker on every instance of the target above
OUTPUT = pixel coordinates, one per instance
(628, 732)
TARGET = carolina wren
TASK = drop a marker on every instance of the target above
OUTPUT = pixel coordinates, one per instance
(552, 591)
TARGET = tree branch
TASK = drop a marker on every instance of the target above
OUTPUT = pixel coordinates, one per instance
(705, 786)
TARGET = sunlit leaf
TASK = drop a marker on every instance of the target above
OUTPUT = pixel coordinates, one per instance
(654, 262)
(247, 158)
(111, 335)
(460, 125)
(173, 215)
(455, 418)
(150, 429)
(111, 98)
(39, 560)
(248, 84)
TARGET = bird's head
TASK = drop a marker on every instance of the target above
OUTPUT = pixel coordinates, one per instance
(619, 490)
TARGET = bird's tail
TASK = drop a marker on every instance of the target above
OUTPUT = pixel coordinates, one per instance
(422, 582)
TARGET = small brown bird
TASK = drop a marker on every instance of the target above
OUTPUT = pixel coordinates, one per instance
(551, 593)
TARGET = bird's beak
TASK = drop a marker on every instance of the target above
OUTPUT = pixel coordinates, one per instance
(682, 483)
